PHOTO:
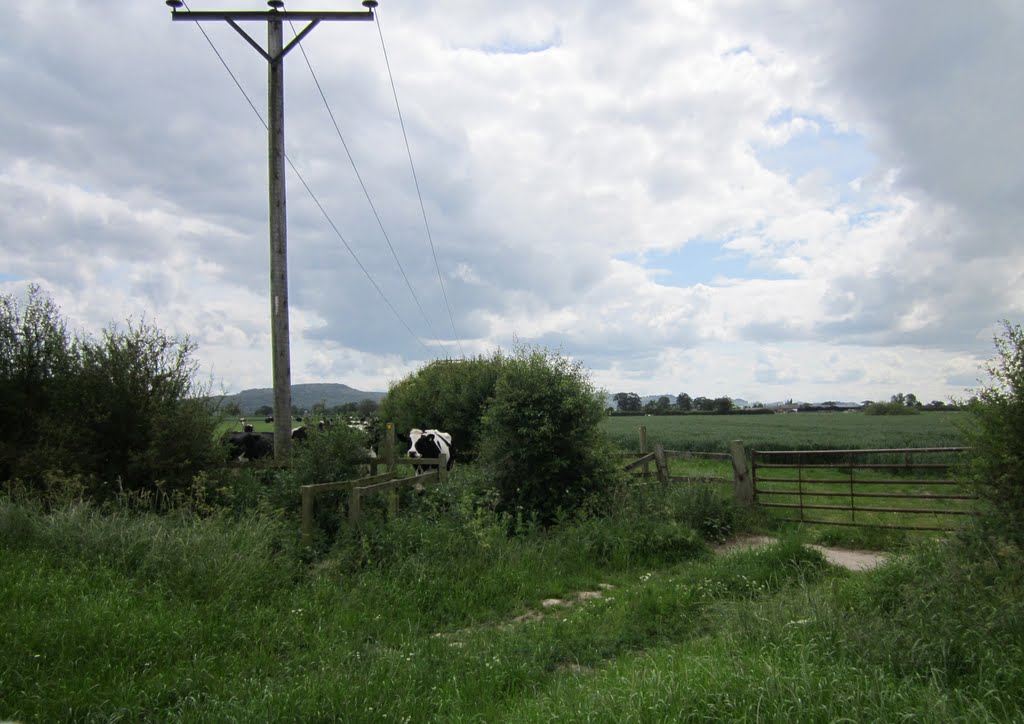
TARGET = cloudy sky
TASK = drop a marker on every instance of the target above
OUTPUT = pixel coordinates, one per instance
(765, 199)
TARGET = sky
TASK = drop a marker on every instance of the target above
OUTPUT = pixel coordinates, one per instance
(760, 199)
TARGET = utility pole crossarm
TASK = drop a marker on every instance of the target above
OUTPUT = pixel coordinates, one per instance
(266, 15)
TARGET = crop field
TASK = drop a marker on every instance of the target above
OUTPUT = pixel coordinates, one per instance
(793, 431)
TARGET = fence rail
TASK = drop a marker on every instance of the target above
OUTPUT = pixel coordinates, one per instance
(742, 483)
(809, 482)
(359, 488)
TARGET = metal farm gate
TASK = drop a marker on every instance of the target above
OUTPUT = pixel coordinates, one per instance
(905, 488)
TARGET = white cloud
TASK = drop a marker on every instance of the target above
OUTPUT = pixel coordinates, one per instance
(561, 152)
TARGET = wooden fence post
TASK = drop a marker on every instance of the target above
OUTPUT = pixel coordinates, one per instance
(743, 484)
(389, 446)
(442, 469)
(643, 450)
(389, 433)
(661, 463)
(307, 516)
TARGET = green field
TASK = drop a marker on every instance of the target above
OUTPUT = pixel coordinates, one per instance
(793, 431)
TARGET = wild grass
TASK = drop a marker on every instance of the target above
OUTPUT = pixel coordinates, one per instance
(200, 615)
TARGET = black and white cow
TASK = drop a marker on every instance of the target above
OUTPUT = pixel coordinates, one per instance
(249, 445)
(430, 444)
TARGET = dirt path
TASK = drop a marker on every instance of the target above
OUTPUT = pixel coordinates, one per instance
(852, 560)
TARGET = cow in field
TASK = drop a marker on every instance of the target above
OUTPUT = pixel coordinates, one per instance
(249, 445)
(430, 444)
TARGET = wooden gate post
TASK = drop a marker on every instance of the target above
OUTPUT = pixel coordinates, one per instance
(743, 484)
(661, 463)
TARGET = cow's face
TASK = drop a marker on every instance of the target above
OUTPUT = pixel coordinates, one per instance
(414, 437)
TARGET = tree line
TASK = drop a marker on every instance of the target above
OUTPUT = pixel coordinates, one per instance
(630, 403)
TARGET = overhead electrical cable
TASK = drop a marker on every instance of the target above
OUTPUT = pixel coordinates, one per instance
(311, 194)
(412, 166)
(366, 192)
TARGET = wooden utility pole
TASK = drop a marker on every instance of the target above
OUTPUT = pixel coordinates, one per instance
(274, 55)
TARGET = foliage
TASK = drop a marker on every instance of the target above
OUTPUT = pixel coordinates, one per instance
(123, 411)
(447, 395)
(541, 438)
(996, 436)
(627, 402)
(890, 408)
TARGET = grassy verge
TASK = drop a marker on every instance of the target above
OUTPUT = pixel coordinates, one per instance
(438, 616)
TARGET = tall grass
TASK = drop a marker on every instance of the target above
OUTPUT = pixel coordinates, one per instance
(439, 615)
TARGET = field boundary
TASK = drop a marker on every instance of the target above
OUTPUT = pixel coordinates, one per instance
(387, 482)
(899, 488)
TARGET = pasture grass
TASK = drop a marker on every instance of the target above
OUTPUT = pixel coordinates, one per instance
(792, 431)
(217, 615)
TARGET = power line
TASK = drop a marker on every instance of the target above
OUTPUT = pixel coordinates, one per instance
(310, 191)
(366, 192)
(412, 166)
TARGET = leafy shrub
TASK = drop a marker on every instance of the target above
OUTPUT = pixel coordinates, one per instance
(123, 412)
(448, 395)
(996, 437)
(541, 441)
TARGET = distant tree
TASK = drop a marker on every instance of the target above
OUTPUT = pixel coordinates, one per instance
(722, 405)
(319, 411)
(628, 401)
(231, 409)
(910, 400)
(899, 399)
(704, 404)
(663, 405)
(265, 410)
(684, 402)
(889, 408)
(367, 407)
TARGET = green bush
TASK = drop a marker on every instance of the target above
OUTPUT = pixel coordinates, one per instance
(123, 411)
(448, 395)
(541, 442)
(995, 434)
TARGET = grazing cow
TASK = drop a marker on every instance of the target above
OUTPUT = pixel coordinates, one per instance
(268, 418)
(247, 427)
(249, 445)
(299, 433)
(430, 444)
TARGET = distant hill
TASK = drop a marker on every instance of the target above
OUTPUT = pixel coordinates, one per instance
(303, 396)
